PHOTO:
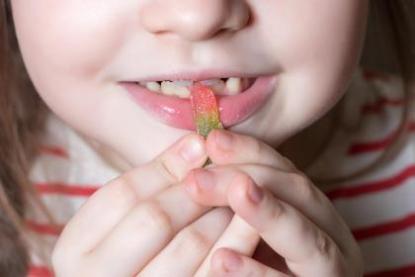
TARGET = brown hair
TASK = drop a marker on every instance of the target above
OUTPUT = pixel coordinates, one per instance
(21, 122)
(22, 118)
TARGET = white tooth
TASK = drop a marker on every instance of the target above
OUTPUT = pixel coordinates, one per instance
(233, 85)
(170, 88)
(182, 92)
(166, 87)
(153, 86)
(183, 83)
(217, 85)
(182, 88)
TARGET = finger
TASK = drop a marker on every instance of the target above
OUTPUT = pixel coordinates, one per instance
(125, 191)
(168, 168)
(308, 250)
(239, 236)
(144, 231)
(211, 187)
(192, 245)
(227, 262)
(225, 147)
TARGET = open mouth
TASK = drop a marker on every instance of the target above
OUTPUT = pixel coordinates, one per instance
(168, 100)
(181, 88)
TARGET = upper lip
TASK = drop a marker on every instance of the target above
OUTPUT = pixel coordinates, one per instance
(196, 75)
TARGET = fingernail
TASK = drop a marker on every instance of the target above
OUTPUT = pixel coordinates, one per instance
(191, 150)
(224, 140)
(255, 194)
(232, 262)
(204, 178)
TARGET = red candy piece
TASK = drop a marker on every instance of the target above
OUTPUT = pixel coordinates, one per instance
(205, 109)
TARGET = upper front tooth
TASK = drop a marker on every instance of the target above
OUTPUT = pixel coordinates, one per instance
(183, 83)
(217, 85)
(153, 86)
(172, 88)
(233, 85)
(167, 87)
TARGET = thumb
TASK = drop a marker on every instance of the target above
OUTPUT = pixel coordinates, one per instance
(186, 154)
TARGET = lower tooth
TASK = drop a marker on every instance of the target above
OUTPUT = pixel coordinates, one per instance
(234, 86)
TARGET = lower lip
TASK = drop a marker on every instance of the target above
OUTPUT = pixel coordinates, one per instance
(177, 112)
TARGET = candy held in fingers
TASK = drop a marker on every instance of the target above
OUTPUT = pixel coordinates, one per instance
(205, 109)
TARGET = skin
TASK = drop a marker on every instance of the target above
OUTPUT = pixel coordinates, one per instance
(77, 51)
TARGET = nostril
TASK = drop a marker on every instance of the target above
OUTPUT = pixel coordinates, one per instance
(195, 20)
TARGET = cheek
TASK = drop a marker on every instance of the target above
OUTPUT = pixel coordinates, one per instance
(313, 32)
(72, 38)
(66, 46)
(317, 54)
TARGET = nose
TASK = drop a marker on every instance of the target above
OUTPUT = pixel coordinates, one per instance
(194, 19)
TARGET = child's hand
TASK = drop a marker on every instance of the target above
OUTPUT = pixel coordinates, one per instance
(290, 214)
(129, 226)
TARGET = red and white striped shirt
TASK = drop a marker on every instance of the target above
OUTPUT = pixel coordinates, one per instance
(379, 207)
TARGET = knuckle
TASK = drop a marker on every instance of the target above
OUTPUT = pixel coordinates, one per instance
(341, 264)
(155, 218)
(163, 168)
(276, 213)
(124, 179)
(322, 244)
(325, 247)
(240, 175)
(256, 147)
(303, 186)
(289, 163)
(224, 215)
(122, 188)
(192, 238)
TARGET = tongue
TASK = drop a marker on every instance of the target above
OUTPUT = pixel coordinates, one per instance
(205, 109)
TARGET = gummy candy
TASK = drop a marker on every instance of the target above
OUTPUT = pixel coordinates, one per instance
(205, 109)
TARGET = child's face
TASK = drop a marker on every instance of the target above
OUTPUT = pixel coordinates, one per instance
(77, 52)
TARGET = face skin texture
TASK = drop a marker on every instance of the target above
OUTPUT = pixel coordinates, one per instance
(76, 51)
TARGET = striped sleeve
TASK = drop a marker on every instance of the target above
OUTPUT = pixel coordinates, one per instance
(379, 206)
(65, 173)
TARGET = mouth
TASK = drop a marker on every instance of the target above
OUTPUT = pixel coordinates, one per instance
(168, 99)
(181, 88)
